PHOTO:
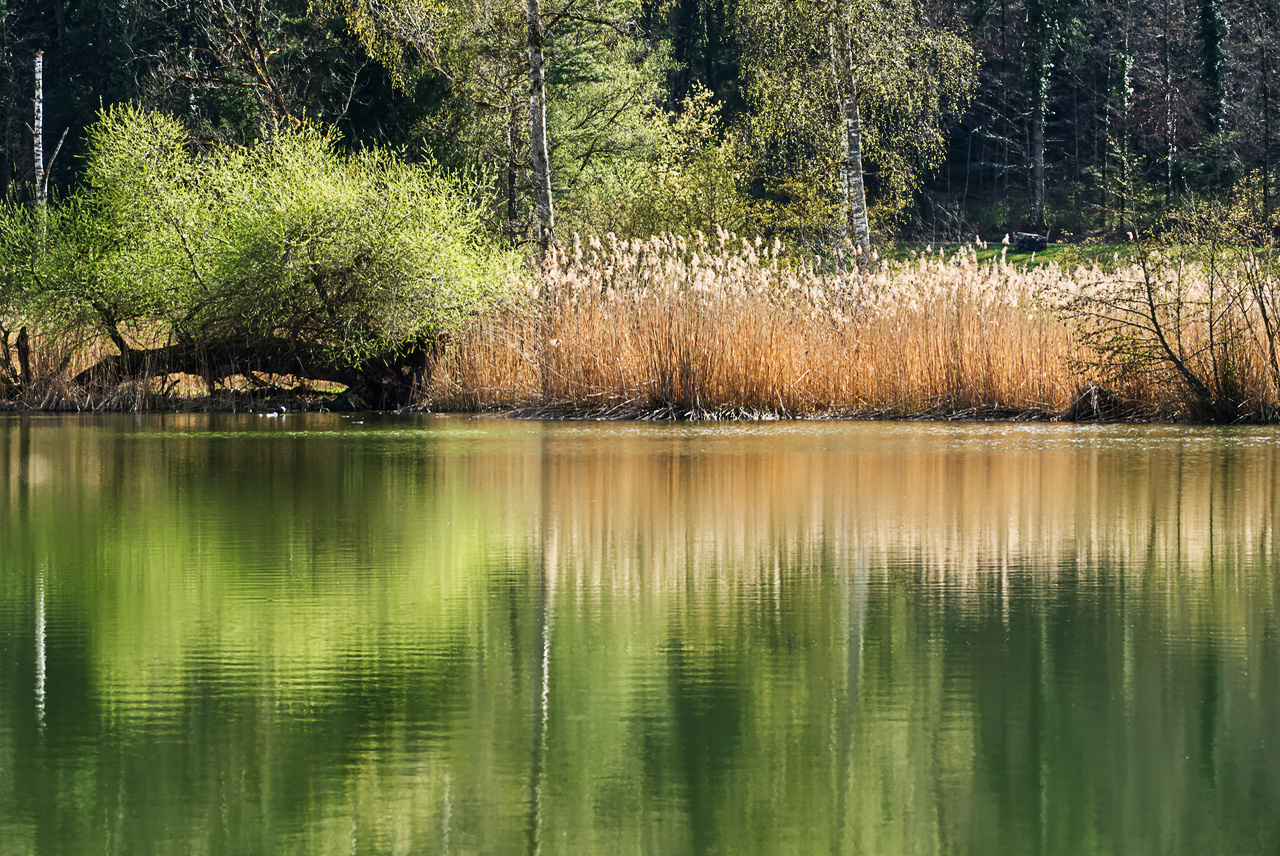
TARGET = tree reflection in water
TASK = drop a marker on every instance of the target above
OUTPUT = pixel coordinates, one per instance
(447, 635)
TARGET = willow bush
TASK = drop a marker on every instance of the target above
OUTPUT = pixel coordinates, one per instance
(285, 258)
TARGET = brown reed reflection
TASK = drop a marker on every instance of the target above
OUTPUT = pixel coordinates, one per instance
(663, 510)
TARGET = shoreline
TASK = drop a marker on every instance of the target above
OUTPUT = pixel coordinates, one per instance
(1091, 406)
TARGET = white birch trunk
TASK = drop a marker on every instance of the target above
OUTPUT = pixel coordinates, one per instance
(837, 78)
(857, 225)
(1126, 106)
(538, 130)
(37, 128)
(1170, 121)
(1037, 151)
(860, 221)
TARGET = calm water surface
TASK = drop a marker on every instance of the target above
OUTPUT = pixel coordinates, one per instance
(333, 634)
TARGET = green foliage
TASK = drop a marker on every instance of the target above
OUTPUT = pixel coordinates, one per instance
(472, 56)
(690, 180)
(602, 88)
(286, 244)
(911, 77)
(444, 35)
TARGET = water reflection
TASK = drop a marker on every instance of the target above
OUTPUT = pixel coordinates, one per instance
(323, 634)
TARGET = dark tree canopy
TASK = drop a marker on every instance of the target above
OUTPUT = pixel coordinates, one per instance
(1083, 117)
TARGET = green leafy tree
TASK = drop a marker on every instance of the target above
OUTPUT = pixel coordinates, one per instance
(838, 85)
(284, 257)
(689, 180)
(604, 90)
(584, 72)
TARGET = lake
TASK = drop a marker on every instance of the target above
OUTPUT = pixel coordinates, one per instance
(322, 634)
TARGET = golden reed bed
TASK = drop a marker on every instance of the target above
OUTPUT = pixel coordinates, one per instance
(726, 327)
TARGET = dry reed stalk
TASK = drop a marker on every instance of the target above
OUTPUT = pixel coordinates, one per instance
(725, 326)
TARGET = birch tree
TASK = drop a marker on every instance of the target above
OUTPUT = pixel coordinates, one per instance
(845, 83)
(537, 36)
(477, 49)
(37, 131)
(837, 85)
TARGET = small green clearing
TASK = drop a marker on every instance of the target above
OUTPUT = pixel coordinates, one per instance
(1063, 254)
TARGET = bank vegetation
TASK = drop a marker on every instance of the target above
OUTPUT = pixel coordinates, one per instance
(289, 272)
(726, 327)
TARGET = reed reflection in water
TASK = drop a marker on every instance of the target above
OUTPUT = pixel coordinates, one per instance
(328, 634)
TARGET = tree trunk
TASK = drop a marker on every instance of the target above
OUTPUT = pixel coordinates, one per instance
(1266, 131)
(37, 128)
(388, 380)
(538, 129)
(857, 225)
(1106, 147)
(24, 358)
(1213, 35)
(513, 164)
(1126, 176)
(1170, 122)
(1037, 152)
(856, 190)
(1044, 17)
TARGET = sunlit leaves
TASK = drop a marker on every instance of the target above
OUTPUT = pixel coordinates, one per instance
(910, 74)
(286, 240)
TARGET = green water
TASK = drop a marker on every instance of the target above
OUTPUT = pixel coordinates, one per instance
(332, 634)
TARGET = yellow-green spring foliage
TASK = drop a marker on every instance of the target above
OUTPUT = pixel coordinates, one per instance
(287, 240)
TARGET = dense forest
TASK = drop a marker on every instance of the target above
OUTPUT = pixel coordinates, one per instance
(967, 116)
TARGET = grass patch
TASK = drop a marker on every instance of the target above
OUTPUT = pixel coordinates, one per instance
(1107, 255)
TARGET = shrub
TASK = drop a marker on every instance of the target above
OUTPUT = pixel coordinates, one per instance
(285, 257)
(1198, 312)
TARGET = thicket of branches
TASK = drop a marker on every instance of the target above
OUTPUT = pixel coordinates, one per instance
(1197, 311)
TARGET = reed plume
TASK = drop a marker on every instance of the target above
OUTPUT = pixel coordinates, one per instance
(724, 327)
